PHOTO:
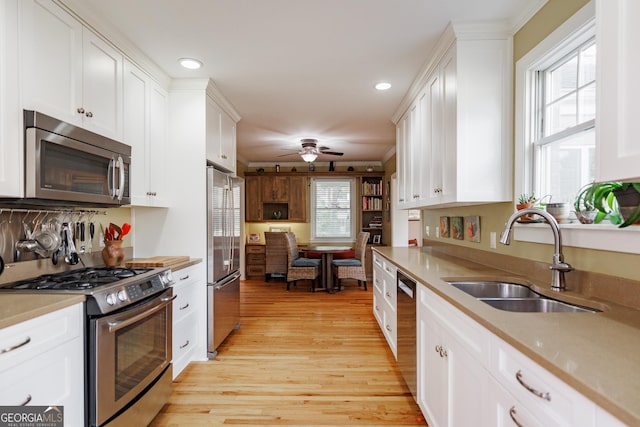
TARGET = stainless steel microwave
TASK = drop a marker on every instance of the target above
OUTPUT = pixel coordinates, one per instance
(69, 164)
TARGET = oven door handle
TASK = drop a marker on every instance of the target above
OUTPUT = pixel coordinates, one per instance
(116, 325)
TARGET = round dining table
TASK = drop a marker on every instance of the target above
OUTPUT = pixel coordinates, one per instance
(327, 253)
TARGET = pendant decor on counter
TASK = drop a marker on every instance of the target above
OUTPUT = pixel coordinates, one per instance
(112, 253)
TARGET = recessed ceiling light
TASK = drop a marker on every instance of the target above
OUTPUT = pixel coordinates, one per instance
(190, 63)
(383, 86)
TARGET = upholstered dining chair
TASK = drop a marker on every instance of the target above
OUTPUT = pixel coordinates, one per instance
(353, 268)
(276, 254)
(299, 268)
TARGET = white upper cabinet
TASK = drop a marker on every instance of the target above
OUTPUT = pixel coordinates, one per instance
(145, 129)
(463, 140)
(68, 72)
(11, 147)
(221, 130)
(618, 90)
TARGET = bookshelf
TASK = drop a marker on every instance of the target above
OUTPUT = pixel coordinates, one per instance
(372, 207)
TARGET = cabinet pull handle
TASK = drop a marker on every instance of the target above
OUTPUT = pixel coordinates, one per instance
(184, 277)
(388, 328)
(377, 308)
(26, 401)
(15, 347)
(89, 114)
(80, 110)
(184, 306)
(388, 295)
(542, 395)
(184, 345)
(224, 156)
(512, 414)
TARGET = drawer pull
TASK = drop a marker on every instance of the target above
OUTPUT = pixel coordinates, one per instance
(15, 347)
(184, 277)
(184, 307)
(512, 414)
(388, 328)
(26, 401)
(377, 308)
(184, 345)
(542, 395)
(388, 294)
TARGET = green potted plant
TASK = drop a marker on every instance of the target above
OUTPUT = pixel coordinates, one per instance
(620, 202)
(627, 195)
(595, 202)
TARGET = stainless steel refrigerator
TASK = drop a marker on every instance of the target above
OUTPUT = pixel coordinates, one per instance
(223, 256)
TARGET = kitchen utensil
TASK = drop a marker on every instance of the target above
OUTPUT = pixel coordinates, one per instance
(82, 247)
(92, 230)
(126, 227)
(71, 256)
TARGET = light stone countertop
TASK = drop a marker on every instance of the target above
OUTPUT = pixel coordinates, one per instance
(598, 354)
(16, 308)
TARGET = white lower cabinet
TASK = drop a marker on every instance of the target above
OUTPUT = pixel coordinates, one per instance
(549, 400)
(452, 379)
(185, 318)
(384, 299)
(42, 363)
(469, 376)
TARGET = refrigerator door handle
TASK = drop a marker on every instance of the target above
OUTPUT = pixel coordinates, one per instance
(227, 280)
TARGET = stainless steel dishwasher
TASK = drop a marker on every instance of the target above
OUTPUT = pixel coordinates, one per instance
(407, 330)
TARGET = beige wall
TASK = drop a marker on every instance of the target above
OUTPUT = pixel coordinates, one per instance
(493, 216)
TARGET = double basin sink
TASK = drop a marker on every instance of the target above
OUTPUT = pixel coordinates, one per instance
(516, 297)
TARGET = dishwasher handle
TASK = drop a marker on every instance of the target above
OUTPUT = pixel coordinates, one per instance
(406, 289)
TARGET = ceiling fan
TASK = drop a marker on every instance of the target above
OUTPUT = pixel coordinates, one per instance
(310, 150)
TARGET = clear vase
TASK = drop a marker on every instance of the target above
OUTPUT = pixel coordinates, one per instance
(112, 253)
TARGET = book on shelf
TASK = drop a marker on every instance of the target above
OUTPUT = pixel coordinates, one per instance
(372, 188)
(371, 203)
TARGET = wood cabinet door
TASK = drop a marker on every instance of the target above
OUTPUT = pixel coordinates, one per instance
(275, 188)
(298, 198)
(253, 202)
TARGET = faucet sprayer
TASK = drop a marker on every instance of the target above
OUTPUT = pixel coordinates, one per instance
(558, 266)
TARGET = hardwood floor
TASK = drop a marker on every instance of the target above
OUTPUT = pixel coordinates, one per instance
(299, 358)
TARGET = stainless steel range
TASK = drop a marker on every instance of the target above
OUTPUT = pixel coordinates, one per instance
(128, 337)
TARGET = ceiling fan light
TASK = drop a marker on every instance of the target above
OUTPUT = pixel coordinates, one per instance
(309, 156)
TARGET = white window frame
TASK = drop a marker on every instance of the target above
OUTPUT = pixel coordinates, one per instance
(571, 34)
(354, 212)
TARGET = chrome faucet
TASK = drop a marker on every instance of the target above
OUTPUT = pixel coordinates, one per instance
(558, 267)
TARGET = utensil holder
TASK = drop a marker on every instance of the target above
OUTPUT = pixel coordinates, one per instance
(112, 253)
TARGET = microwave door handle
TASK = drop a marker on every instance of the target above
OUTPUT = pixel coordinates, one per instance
(120, 190)
(111, 176)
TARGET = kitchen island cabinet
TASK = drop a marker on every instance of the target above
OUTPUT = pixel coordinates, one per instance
(511, 360)
(42, 363)
(618, 90)
(69, 72)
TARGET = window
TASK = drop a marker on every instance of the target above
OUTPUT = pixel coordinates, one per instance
(332, 209)
(563, 143)
(555, 111)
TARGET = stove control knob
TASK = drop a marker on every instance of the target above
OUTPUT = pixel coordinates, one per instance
(111, 299)
(122, 295)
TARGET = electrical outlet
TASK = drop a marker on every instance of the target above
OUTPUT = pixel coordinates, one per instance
(427, 230)
(492, 240)
(437, 232)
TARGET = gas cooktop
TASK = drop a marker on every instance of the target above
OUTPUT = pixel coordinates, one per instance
(106, 288)
(77, 280)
